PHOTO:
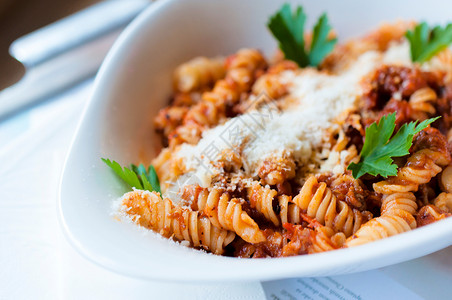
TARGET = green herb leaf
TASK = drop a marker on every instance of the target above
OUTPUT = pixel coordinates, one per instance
(321, 45)
(136, 176)
(426, 43)
(378, 149)
(141, 172)
(149, 178)
(288, 29)
(153, 178)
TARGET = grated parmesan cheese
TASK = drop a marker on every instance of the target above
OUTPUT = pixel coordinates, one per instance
(398, 54)
(316, 99)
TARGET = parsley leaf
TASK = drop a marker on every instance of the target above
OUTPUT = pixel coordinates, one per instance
(149, 178)
(321, 45)
(426, 43)
(288, 29)
(136, 176)
(379, 149)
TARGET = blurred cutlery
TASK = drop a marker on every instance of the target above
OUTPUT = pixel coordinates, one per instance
(65, 52)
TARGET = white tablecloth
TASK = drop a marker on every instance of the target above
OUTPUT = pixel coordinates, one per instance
(36, 262)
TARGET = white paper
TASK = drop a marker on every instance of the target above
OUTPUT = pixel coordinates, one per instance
(360, 286)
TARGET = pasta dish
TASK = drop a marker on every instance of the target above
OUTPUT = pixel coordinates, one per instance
(345, 144)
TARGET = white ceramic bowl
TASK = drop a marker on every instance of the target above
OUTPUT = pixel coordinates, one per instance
(135, 81)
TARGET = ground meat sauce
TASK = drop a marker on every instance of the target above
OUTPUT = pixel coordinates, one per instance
(351, 191)
(427, 192)
(402, 109)
(430, 214)
(189, 194)
(355, 137)
(284, 188)
(293, 240)
(299, 240)
(443, 107)
(397, 82)
(272, 247)
(430, 138)
(257, 215)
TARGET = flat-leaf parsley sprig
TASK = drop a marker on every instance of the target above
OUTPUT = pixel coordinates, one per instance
(288, 29)
(379, 148)
(137, 176)
(426, 43)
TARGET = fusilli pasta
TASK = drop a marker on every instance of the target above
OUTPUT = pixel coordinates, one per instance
(396, 217)
(319, 202)
(241, 71)
(162, 216)
(420, 168)
(378, 228)
(224, 212)
(277, 169)
(198, 73)
(261, 198)
(422, 102)
(241, 175)
(429, 214)
(444, 202)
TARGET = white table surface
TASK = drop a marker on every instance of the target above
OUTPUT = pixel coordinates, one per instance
(36, 262)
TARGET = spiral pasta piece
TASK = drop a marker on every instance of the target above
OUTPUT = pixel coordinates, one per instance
(166, 167)
(443, 62)
(325, 239)
(161, 215)
(277, 169)
(402, 205)
(261, 198)
(429, 214)
(444, 202)
(378, 228)
(445, 181)
(322, 238)
(169, 118)
(430, 155)
(198, 73)
(227, 213)
(420, 168)
(449, 135)
(319, 202)
(289, 212)
(397, 216)
(271, 83)
(422, 100)
(241, 72)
